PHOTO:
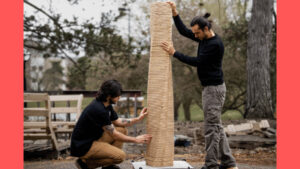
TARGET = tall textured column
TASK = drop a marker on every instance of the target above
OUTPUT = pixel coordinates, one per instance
(160, 121)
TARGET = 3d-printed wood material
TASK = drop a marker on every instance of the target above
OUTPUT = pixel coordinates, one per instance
(160, 121)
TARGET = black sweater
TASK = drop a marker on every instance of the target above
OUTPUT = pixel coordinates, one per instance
(209, 57)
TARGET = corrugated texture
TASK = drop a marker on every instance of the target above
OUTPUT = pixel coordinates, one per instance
(160, 121)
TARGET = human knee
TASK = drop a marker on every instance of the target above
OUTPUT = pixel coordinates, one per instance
(120, 157)
(213, 120)
(213, 116)
(211, 131)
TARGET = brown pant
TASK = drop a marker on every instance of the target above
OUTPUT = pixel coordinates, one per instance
(105, 151)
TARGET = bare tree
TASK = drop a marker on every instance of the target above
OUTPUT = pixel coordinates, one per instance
(259, 100)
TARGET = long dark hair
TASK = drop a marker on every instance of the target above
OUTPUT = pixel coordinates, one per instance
(202, 21)
(109, 88)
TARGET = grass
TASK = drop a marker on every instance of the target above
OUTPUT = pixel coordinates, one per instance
(196, 111)
(86, 101)
(198, 115)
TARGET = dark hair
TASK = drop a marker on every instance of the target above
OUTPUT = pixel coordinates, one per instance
(202, 21)
(109, 88)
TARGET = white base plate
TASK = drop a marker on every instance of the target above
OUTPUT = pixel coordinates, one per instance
(176, 165)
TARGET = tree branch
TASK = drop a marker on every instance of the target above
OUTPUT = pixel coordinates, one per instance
(44, 12)
(231, 106)
(58, 25)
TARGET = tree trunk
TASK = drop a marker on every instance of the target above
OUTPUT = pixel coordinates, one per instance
(176, 108)
(259, 100)
(186, 108)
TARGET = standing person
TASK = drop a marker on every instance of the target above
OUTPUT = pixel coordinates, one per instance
(209, 69)
(99, 134)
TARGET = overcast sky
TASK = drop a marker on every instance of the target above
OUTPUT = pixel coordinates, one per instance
(88, 10)
(91, 10)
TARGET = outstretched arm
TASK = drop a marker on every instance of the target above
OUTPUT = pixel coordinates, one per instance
(182, 29)
(146, 138)
(193, 61)
(173, 7)
(120, 122)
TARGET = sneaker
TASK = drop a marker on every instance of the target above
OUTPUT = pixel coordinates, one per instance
(80, 164)
(111, 167)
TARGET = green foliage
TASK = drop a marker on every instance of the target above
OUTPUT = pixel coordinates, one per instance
(52, 79)
(67, 38)
(198, 115)
(77, 78)
(109, 56)
(106, 52)
(234, 64)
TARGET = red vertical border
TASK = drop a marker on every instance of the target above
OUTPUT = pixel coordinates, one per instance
(11, 85)
(288, 84)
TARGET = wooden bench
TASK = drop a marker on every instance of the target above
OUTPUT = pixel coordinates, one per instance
(39, 131)
(66, 125)
(47, 128)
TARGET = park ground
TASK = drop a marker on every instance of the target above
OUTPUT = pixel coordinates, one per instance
(257, 158)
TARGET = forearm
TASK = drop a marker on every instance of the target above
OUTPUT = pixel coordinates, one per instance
(124, 138)
(115, 134)
(183, 30)
(193, 61)
(128, 122)
(174, 12)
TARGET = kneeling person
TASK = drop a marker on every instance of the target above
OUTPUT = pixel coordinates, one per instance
(99, 134)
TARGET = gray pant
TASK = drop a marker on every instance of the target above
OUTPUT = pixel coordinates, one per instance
(216, 144)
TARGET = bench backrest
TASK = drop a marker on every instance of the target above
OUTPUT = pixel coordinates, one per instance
(44, 128)
(43, 110)
(34, 129)
(66, 104)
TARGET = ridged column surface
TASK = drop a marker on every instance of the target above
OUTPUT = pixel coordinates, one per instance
(160, 121)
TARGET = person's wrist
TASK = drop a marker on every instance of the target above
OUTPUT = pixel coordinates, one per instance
(173, 52)
(174, 12)
(138, 119)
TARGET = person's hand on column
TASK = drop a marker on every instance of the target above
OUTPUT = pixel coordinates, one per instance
(168, 48)
(173, 7)
(144, 139)
(143, 114)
